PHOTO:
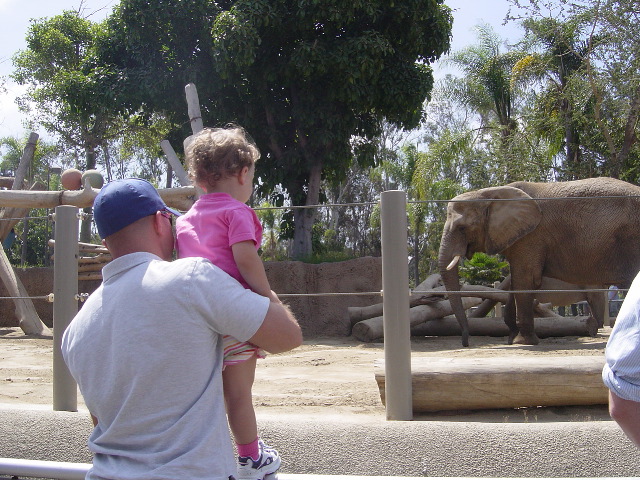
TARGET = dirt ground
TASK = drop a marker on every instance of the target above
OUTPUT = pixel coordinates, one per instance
(331, 375)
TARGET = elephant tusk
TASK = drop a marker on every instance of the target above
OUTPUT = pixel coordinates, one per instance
(454, 262)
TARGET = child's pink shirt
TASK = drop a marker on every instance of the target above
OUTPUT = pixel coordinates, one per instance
(212, 225)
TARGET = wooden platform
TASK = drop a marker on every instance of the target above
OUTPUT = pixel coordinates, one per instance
(502, 382)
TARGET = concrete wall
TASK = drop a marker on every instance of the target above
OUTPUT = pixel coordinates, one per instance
(317, 315)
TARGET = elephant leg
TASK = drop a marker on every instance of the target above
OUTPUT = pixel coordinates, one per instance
(524, 315)
(597, 305)
(509, 313)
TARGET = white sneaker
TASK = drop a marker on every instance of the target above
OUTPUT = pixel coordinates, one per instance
(268, 463)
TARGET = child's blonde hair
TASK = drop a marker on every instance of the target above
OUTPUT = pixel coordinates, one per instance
(217, 153)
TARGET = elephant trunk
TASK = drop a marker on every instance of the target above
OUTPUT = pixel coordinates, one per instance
(451, 281)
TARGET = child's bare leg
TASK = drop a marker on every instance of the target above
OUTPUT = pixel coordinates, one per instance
(238, 382)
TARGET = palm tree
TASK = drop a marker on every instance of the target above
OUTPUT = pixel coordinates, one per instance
(560, 60)
(487, 86)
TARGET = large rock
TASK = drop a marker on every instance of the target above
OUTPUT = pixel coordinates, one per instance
(318, 315)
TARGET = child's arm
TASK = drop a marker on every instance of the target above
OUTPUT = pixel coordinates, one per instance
(252, 269)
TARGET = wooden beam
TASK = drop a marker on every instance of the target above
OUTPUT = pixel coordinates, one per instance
(449, 384)
(180, 198)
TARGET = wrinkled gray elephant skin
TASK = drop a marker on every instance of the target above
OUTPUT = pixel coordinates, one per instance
(544, 229)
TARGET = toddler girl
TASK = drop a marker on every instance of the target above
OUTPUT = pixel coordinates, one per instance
(221, 227)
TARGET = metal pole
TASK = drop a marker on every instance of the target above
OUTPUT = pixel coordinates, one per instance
(65, 303)
(395, 287)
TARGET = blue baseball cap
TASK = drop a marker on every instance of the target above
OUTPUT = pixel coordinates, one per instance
(122, 202)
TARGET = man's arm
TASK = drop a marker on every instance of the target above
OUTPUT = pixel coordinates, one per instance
(626, 413)
(279, 331)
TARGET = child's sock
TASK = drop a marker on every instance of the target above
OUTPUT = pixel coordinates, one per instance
(249, 449)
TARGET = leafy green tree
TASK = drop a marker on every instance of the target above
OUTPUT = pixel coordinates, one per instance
(270, 218)
(609, 103)
(70, 97)
(28, 245)
(66, 94)
(311, 81)
(73, 97)
(615, 83)
(45, 156)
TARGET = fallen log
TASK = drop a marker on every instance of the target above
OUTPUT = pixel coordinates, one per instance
(357, 314)
(372, 329)
(488, 304)
(546, 327)
(447, 384)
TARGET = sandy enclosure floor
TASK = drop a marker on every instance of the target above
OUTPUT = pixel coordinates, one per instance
(324, 376)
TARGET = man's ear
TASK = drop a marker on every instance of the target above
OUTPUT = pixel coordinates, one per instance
(158, 218)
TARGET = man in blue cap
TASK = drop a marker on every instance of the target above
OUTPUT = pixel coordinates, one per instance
(146, 347)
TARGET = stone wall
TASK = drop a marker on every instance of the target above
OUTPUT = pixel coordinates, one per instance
(318, 315)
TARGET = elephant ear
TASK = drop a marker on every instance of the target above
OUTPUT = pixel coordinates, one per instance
(513, 215)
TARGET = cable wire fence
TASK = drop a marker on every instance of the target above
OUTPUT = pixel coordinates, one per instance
(42, 256)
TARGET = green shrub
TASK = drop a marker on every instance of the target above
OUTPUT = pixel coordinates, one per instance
(483, 269)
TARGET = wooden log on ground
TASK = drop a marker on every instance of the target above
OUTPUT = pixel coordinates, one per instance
(502, 382)
(585, 326)
(357, 314)
(488, 304)
(372, 329)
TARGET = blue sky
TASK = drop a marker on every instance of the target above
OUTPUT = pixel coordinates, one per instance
(15, 15)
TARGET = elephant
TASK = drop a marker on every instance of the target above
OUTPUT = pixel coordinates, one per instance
(585, 232)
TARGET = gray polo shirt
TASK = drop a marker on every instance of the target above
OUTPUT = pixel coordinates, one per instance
(146, 352)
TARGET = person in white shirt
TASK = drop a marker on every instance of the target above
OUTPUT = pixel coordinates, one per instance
(621, 374)
(146, 347)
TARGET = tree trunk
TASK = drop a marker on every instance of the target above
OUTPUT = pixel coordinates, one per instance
(630, 137)
(305, 217)
(85, 226)
(572, 144)
(416, 253)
